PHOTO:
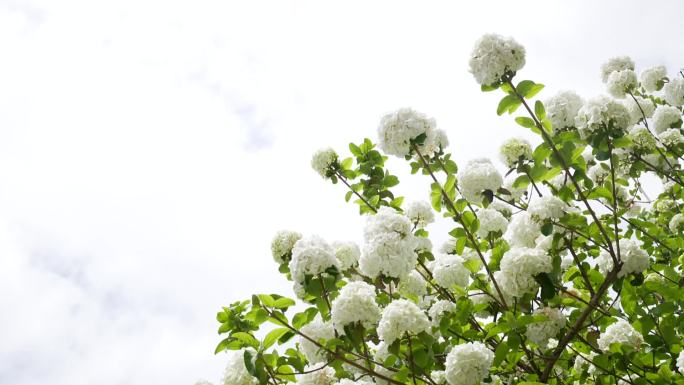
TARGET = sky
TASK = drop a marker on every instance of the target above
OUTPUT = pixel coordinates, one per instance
(149, 150)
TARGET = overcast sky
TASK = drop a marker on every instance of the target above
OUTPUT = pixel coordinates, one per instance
(150, 149)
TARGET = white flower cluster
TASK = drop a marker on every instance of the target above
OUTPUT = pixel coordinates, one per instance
(203, 382)
(602, 112)
(282, 244)
(519, 265)
(347, 253)
(439, 309)
(311, 255)
(468, 364)
(642, 139)
(448, 271)
(523, 230)
(413, 285)
(619, 63)
(620, 332)
(491, 221)
(674, 92)
(634, 259)
(438, 376)
(680, 362)
(355, 303)
(397, 129)
(477, 176)
(652, 79)
(346, 381)
(676, 223)
(399, 317)
(665, 117)
(322, 376)
(420, 213)
(541, 332)
(514, 149)
(671, 137)
(621, 82)
(639, 108)
(436, 140)
(494, 56)
(322, 160)
(389, 245)
(598, 173)
(581, 363)
(317, 330)
(562, 108)
(547, 207)
(236, 373)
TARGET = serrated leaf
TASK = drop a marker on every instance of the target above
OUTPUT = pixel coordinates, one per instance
(273, 336)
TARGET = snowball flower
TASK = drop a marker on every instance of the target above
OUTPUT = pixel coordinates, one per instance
(519, 265)
(514, 149)
(515, 192)
(620, 332)
(619, 63)
(397, 129)
(639, 108)
(413, 284)
(676, 223)
(449, 246)
(597, 173)
(562, 108)
(547, 207)
(600, 113)
(494, 56)
(642, 139)
(581, 363)
(282, 244)
(438, 309)
(399, 317)
(347, 253)
(665, 117)
(324, 376)
(674, 91)
(491, 221)
(420, 213)
(355, 303)
(652, 79)
(389, 245)
(448, 270)
(477, 176)
(671, 137)
(346, 381)
(203, 382)
(311, 255)
(634, 258)
(316, 330)
(680, 362)
(468, 364)
(438, 376)
(504, 208)
(541, 332)
(621, 82)
(236, 373)
(523, 230)
(323, 160)
(436, 140)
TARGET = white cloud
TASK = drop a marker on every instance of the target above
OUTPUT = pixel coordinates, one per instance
(149, 150)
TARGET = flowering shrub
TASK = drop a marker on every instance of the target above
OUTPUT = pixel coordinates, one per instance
(564, 272)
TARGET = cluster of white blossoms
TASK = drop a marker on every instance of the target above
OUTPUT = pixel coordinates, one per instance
(519, 265)
(362, 381)
(397, 129)
(420, 213)
(620, 332)
(311, 255)
(671, 137)
(619, 63)
(621, 82)
(541, 332)
(494, 56)
(674, 92)
(652, 79)
(448, 271)
(602, 112)
(562, 108)
(598, 173)
(413, 285)
(523, 230)
(676, 223)
(581, 362)
(355, 303)
(639, 108)
(547, 207)
(317, 375)
(236, 373)
(316, 330)
(282, 244)
(477, 176)
(634, 258)
(491, 221)
(347, 253)
(439, 309)
(389, 248)
(680, 362)
(323, 160)
(665, 117)
(400, 317)
(436, 140)
(513, 150)
(468, 364)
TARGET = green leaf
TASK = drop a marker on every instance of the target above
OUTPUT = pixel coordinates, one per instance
(273, 336)
(283, 303)
(250, 362)
(525, 122)
(246, 339)
(528, 89)
(539, 110)
(548, 291)
(267, 300)
(355, 149)
(508, 103)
